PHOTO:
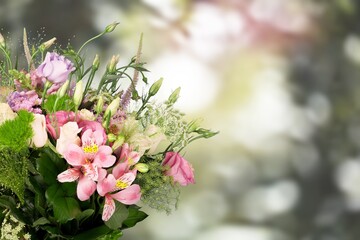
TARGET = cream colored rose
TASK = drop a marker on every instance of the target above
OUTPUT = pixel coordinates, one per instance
(6, 113)
(68, 135)
(85, 114)
(39, 127)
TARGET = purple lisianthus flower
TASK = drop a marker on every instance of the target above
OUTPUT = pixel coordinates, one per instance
(28, 101)
(55, 68)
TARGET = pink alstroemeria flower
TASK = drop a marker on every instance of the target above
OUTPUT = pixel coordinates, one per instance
(127, 194)
(127, 158)
(87, 162)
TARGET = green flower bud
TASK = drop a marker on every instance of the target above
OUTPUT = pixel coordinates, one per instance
(99, 105)
(111, 68)
(174, 96)
(96, 62)
(61, 92)
(142, 167)
(155, 87)
(78, 94)
(119, 142)
(111, 27)
(111, 137)
(2, 41)
(194, 125)
(47, 44)
(112, 108)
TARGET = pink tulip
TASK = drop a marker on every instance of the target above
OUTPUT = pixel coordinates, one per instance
(178, 168)
(56, 120)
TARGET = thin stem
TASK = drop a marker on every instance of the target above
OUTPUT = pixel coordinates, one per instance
(91, 39)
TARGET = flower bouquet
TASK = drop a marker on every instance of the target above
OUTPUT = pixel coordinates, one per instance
(76, 157)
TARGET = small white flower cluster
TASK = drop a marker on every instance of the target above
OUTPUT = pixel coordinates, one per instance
(12, 229)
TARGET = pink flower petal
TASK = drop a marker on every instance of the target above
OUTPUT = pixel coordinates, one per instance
(128, 196)
(69, 175)
(107, 185)
(85, 188)
(102, 174)
(120, 169)
(127, 178)
(91, 171)
(103, 158)
(74, 155)
(109, 208)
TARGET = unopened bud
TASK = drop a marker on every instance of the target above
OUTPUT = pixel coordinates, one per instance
(109, 28)
(155, 87)
(99, 105)
(111, 68)
(96, 62)
(142, 167)
(111, 137)
(174, 96)
(194, 125)
(113, 107)
(47, 44)
(61, 92)
(2, 40)
(118, 142)
(78, 94)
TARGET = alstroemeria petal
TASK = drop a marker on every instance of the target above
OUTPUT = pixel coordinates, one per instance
(107, 185)
(69, 175)
(103, 158)
(109, 208)
(85, 188)
(74, 155)
(128, 196)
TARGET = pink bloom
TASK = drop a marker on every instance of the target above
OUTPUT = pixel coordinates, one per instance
(178, 168)
(87, 161)
(39, 128)
(86, 176)
(94, 126)
(55, 68)
(56, 120)
(127, 158)
(127, 194)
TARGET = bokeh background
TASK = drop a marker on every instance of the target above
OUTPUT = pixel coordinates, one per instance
(280, 80)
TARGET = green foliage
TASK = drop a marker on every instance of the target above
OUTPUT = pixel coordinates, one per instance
(135, 216)
(54, 104)
(13, 168)
(119, 216)
(16, 133)
(158, 191)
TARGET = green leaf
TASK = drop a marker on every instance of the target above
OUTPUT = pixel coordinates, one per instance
(41, 221)
(93, 233)
(54, 104)
(85, 215)
(65, 206)
(49, 166)
(13, 168)
(114, 235)
(119, 216)
(135, 216)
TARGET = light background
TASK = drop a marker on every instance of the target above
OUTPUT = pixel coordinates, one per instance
(279, 79)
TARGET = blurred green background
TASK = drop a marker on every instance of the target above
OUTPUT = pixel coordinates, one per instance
(278, 78)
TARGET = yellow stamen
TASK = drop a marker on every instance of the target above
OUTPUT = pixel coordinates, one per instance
(92, 149)
(121, 185)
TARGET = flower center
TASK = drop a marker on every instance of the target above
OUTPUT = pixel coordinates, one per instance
(121, 185)
(91, 148)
